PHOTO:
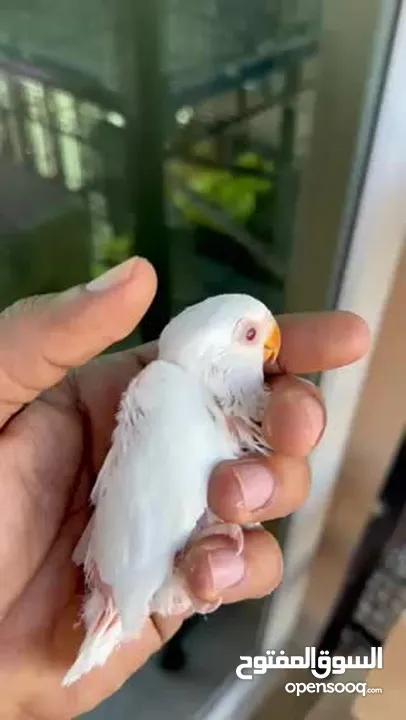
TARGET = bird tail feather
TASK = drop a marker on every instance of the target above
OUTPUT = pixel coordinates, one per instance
(106, 629)
(104, 634)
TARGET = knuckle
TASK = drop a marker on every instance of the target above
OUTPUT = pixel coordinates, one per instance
(24, 306)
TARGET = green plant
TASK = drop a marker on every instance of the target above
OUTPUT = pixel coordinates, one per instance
(234, 193)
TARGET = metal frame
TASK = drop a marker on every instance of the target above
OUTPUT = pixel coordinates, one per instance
(248, 70)
(147, 155)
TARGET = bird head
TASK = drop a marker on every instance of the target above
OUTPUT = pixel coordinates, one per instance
(224, 342)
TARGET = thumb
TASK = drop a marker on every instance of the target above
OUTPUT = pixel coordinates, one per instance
(42, 337)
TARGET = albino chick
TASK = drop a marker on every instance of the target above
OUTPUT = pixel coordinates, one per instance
(200, 403)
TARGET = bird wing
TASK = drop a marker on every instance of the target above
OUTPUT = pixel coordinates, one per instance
(152, 488)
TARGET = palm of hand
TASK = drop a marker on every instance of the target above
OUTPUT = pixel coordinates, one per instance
(50, 455)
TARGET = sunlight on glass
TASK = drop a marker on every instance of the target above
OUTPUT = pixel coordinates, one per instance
(71, 160)
(184, 115)
(42, 149)
(35, 99)
(115, 119)
(5, 101)
(66, 112)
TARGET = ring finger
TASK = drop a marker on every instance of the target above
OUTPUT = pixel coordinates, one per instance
(214, 571)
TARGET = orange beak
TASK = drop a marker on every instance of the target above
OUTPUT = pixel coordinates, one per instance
(272, 344)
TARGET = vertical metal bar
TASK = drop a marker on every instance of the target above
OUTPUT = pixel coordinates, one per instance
(373, 96)
(139, 43)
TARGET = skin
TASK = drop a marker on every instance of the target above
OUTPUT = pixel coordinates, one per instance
(57, 410)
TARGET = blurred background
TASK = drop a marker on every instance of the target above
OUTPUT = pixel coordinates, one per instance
(229, 142)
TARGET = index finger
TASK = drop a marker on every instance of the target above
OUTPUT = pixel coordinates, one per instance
(314, 342)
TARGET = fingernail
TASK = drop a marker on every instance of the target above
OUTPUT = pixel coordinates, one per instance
(256, 483)
(115, 276)
(227, 569)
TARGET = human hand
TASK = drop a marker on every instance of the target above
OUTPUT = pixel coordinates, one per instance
(57, 414)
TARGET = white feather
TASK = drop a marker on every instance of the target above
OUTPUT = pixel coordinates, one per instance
(150, 494)
(178, 419)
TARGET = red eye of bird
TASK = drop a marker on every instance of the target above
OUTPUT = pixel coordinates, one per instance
(251, 334)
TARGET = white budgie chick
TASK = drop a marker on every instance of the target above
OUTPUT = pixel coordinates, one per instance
(199, 403)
